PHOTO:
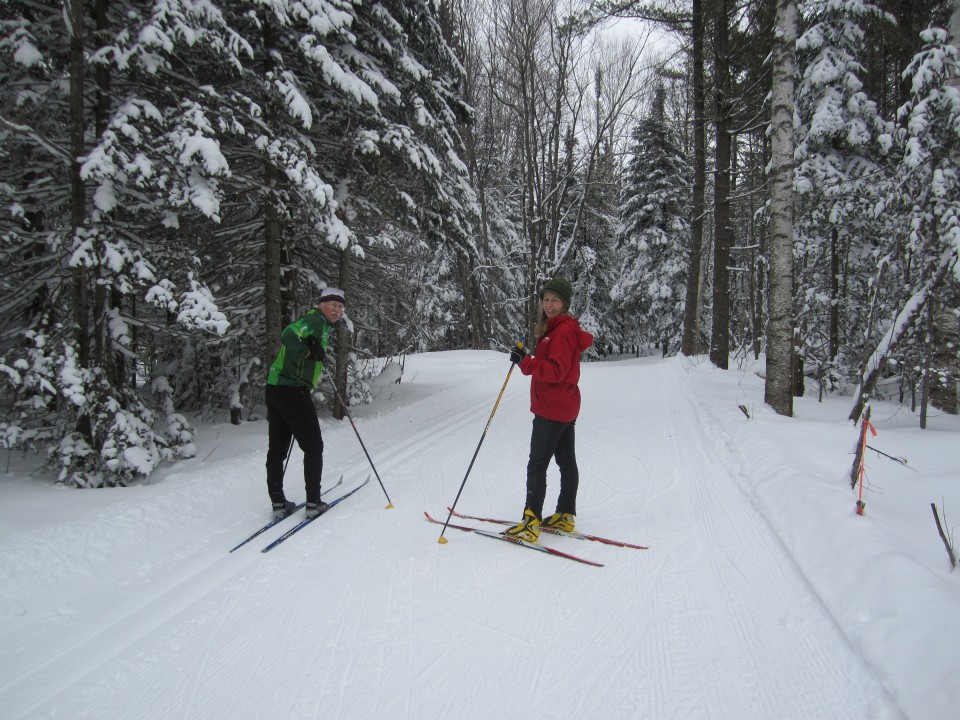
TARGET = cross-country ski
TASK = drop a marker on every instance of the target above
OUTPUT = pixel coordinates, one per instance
(555, 531)
(270, 524)
(304, 523)
(516, 541)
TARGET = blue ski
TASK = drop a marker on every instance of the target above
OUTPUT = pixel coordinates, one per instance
(303, 523)
(278, 520)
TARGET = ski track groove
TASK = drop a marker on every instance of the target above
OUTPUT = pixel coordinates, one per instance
(730, 518)
(205, 657)
(454, 423)
(456, 426)
(75, 662)
(218, 663)
(727, 542)
(199, 587)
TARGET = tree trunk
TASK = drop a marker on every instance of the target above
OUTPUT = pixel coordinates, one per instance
(723, 231)
(107, 297)
(343, 340)
(79, 291)
(73, 15)
(927, 362)
(777, 389)
(691, 311)
(834, 348)
(272, 236)
(272, 241)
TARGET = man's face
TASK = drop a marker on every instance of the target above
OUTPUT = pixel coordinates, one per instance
(332, 310)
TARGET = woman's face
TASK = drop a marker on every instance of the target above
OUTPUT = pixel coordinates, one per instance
(552, 304)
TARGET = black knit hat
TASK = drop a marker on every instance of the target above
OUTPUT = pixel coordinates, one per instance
(561, 287)
(331, 294)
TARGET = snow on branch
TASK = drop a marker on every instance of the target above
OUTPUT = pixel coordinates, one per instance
(903, 322)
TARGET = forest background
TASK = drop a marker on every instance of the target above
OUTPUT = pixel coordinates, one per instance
(724, 177)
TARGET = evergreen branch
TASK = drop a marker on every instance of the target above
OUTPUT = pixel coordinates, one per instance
(29, 132)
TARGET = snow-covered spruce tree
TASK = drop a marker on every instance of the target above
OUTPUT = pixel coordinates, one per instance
(217, 128)
(654, 234)
(596, 263)
(400, 177)
(76, 378)
(329, 132)
(927, 191)
(277, 239)
(34, 183)
(839, 166)
(379, 88)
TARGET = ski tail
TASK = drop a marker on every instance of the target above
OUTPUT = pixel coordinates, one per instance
(266, 527)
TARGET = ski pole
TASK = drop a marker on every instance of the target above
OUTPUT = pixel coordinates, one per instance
(369, 459)
(442, 540)
(287, 461)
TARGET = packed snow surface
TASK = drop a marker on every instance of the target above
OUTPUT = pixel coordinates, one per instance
(763, 595)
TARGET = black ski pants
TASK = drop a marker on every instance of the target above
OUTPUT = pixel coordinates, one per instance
(552, 439)
(291, 414)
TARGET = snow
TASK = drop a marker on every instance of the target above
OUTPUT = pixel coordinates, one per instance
(297, 104)
(762, 595)
(27, 54)
(198, 309)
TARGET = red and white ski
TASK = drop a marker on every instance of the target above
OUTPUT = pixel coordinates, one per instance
(516, 541)
(554, 531)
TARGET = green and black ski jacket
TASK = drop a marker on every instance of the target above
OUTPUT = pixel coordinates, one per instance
(293, 366)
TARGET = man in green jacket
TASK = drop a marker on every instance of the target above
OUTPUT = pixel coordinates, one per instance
(290, 411)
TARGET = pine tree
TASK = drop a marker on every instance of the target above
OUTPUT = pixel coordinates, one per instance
(654, 234)
(839, 164)
(927, 192)
(210, 140)
(76, 379)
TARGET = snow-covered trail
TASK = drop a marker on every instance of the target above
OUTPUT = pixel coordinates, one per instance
(365, 615)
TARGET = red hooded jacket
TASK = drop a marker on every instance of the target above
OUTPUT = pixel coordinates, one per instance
(555, 369)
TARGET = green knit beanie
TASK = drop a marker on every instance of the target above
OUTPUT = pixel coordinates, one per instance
(559, 286)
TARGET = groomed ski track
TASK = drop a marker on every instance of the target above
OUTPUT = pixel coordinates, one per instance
(365, 615)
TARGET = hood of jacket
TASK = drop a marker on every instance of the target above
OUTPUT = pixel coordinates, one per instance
(581, 336)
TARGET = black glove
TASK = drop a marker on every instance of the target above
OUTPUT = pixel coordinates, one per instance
(314, 350)
(517, 354)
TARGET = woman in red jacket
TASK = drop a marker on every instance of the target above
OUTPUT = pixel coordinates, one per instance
(555, 404)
